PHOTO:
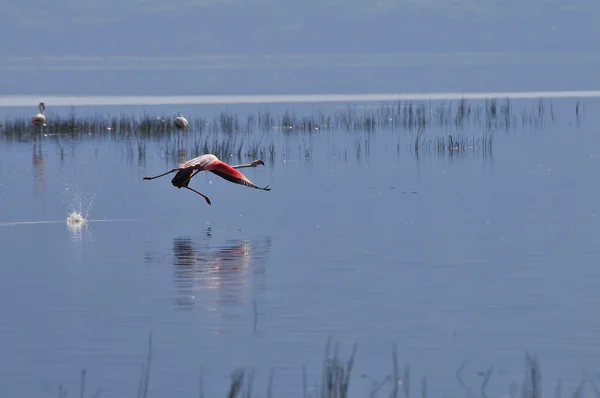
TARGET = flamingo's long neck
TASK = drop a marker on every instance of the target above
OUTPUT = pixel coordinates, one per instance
(241, 166)
(41, 108)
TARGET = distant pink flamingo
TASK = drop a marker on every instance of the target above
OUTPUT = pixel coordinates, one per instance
(181, 123)
(211, 163)
(39, 119)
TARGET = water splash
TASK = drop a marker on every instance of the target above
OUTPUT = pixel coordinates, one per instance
(76, 204)
(79, 211)
(75, 223)
(76, 219)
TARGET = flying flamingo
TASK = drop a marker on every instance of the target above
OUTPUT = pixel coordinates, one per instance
(39, 119)
(211, 163)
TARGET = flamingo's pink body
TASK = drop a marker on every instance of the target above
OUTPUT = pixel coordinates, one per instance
(181, 123)
(211, 163)
(39, 119)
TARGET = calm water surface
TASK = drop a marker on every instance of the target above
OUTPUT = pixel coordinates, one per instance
(464, 257)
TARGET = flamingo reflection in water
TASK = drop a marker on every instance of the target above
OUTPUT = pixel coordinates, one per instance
(182, 155)
(39, 173)
(202, 269)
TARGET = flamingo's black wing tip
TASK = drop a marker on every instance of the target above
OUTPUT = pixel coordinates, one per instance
(266, 188)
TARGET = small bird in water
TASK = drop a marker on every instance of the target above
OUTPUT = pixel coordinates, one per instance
(210, 162)
(39, 119)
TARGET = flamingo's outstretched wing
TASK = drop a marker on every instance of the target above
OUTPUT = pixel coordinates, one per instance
(227, 172)
(182, 178)
(185, 170)
(202, 162)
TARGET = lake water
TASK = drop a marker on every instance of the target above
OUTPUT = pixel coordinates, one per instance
(471, 255)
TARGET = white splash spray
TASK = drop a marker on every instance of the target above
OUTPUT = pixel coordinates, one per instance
(78, 217)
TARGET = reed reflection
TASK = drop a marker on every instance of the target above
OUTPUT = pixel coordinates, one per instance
(213, 276)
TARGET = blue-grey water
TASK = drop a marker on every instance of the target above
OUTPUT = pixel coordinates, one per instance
(468, 256)
(463, 260)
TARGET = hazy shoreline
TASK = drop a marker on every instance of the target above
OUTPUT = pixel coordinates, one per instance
(103, 100)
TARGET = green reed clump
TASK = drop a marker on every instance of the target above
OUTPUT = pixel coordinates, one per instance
(290, 122)
(220, 148)
(491, 114)
(271, 151)
(141, 145)
(454, 144)
(254, 150)
(351, 119)
(265, 121)
(334, 380)
(225, 123)
(223, 148)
